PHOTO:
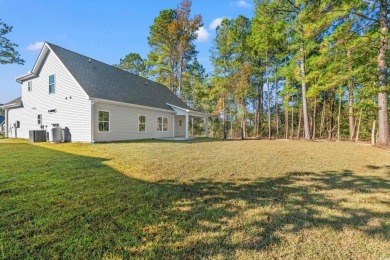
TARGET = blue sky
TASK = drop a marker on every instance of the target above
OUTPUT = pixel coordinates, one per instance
(102, 29)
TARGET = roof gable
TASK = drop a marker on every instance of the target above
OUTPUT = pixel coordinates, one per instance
(103, 81)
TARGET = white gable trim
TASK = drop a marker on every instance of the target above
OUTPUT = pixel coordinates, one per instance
(39, 63)
(184, 111)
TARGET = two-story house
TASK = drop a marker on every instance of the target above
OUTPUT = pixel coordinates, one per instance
(94, 101)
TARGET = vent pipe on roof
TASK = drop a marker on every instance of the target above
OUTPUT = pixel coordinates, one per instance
(89, 60)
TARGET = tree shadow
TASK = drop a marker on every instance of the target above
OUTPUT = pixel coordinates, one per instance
(59, 205)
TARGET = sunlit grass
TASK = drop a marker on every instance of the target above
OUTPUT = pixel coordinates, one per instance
(198, 199)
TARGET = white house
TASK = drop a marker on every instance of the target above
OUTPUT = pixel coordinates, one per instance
(94, 102)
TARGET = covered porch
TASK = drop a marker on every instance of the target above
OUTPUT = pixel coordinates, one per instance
(182, 122)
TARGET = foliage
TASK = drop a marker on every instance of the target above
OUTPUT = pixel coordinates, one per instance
(133, 63)
(8, 53)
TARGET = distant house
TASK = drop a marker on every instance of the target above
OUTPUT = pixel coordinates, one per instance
(94, 101)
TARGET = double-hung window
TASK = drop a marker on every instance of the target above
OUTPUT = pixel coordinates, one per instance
(104, 121)
(142, 123)
(162, 124)
(52, 84)
(39, 119)
(29, 86)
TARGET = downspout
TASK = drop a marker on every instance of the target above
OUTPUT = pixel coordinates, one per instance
(92, 122)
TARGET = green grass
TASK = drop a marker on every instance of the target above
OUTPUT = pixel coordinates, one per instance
(199, 199)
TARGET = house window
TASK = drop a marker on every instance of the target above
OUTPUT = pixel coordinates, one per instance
(29, 86)
(142, 123)
(180, 123)
(104, 121)
(39, 119)
(51, 111)
(52, 84)
(162, 124)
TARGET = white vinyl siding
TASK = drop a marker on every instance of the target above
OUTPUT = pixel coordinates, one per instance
(124, 123)
(73, 113)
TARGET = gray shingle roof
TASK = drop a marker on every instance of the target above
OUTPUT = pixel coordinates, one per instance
(16, 101)
(103, 81)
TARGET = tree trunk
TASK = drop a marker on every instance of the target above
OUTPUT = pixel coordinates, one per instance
(338, 119)
(323, 113)
(358, 126)
(276, 106)
(373, 133)
(224, 117)
(286, 121)
(259, 104)
(268, 95)
(299, 124)
(331, 118)
(292, 117)
(383, 130)
(314, 118)
(304, 99)
(351, 119)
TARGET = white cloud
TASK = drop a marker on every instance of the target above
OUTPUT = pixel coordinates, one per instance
(35, 46)
(243, 3)
(214, 24)
(203, 34)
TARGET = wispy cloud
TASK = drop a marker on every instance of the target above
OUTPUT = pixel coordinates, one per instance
(35, 46)
(214, 24)
(243, 3)
(203, 35)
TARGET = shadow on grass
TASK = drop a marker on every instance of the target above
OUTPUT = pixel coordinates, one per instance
(55, 204)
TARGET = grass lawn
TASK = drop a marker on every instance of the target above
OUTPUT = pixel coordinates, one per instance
(201, 199)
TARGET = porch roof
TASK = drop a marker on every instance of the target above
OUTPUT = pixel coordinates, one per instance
(190, 112)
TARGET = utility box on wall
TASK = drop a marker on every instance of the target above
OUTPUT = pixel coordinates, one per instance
(37, 136)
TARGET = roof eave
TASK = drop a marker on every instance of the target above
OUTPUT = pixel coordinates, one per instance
(25, 77)
(38, 63)
(190, 111)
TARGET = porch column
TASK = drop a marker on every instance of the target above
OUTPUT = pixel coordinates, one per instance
(173, 126)
(206, 126)
(6, 127)
(187, 125)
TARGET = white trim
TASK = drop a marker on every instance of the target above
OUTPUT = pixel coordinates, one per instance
(139, 123)
(92, 122)
(13, 105)
(131, 105)
(109, 121)
(191, 112)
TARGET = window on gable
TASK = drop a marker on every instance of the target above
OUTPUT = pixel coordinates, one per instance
(39, 119)
(162, 124)
(29, 86)
(142, 123)
(52, 84)
(104, 121)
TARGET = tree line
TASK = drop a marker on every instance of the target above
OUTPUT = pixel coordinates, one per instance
(298, 69)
